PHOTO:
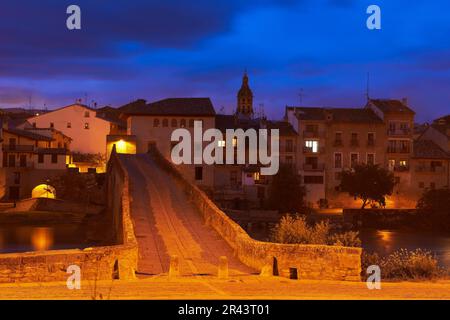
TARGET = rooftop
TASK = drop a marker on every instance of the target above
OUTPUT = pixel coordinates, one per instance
(174, 107)
(391, 106)
(363, 115)
(427, 149)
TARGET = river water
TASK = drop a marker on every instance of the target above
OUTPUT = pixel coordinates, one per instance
(385, 242)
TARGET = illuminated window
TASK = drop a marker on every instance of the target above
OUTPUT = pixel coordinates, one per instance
(234, 142)
(403, 163)
(86, 125)
(221, 143)
(312, 145)
(391, 164)
(256, 176)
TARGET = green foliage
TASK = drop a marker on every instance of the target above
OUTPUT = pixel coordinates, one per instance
(370, 183)
(285, 191)
(405, 265)
(295, 230)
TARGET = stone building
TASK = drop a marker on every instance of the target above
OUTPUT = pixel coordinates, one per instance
(331, 140)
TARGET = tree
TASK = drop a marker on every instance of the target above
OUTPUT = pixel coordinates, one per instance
(435, 204)
(368, 183)
(285, 191)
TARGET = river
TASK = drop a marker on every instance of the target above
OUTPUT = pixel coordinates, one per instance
(385, 242)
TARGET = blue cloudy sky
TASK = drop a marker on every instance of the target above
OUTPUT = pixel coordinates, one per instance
(156, 49)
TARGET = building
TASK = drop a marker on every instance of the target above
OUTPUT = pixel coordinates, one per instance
(30, 158)
(85, 126)
(152, 125)
(331, 140)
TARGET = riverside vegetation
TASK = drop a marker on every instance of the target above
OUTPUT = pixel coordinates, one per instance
(401, 265)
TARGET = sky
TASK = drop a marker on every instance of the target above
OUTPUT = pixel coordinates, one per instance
(308, 52)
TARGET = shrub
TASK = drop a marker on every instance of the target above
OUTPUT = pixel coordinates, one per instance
(294, 229)
(405, 265)
(346, 239)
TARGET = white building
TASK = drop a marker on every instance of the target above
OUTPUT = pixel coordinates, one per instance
(87, 130)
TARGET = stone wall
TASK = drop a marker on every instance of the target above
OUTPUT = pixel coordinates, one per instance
(307, 261)
(101, 263)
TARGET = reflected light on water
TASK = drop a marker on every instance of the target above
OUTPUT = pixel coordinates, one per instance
(42, 238)
(386, 238)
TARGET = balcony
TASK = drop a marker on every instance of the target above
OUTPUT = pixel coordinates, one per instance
(314, 167)
(398, 150)
(399, 132)
(310, 150)
(430, 169)
(401, 168)
(18, 148)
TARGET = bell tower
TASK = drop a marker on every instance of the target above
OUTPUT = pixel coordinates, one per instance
(245, 100)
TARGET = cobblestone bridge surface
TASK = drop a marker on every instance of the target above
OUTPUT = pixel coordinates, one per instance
(167, 224)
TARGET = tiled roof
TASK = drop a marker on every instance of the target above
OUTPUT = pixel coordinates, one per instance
(175, 107)
(390, 105)
(28, 134)
(427, 149)
(364, 115)
(224, 122)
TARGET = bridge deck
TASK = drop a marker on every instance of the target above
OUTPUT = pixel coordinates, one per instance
(167, 224)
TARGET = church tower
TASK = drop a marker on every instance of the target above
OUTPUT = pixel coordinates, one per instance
(245, 100)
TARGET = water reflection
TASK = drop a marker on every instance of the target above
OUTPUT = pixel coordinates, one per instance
(42, 238)
(385, 242)
(18, 238)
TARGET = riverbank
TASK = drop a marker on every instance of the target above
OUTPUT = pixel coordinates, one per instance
(250, 287)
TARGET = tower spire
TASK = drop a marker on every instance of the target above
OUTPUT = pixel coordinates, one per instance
(245, 99)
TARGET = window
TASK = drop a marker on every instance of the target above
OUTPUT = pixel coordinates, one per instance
(173, 123)
(354, 140)
(12, 160)
(198, 173)
(371, 139)
(313, 179)
(23, 160)
(312, 146)
(338, 160)
(354, 159)
(289, 146)
(371, 158)
(69, 125)
(183, 123)
(234, 141)
(52, 125)
(40, 158)
(221, 143)
(86, 114)
(165, 123)
(155, 123)
(256, 176)
(86, 125)
(16, 177)
(338, 139)
(54, 158)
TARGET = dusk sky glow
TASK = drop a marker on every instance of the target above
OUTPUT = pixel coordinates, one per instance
(156, 49)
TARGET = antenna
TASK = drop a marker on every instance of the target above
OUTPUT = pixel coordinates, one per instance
(368, 87)
(301, 95)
